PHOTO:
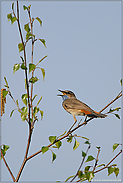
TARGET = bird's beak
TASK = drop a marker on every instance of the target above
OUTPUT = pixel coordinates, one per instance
(61, 94)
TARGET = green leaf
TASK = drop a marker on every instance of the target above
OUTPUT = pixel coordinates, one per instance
(20, 47)
(13, 6)
(85, 138)
(52, 138)
(39, 20)
(110, 170)
(87, 168)
(43, 73)
(69, 178)
(121, 82)
(83, 154)
(58, 144)
(116, 171)
(36, 109)
(41, 112)
(87, 142)
(24, 98)
(11, 113)
(16, 67)
(9, 16)
(80, 174)
(63, 134)
(53, 156)
(98, 147)
(117, 116)
(115, 146)
(31, 67)
(44, 149)
(33, 79)
(39, 101)
(24, 7)
(69, 139)
(41, 60)
(29, 35)
(26, 27)
(4, 149)
(76, 144)
(22, 59)
(6, 82)
(89, 176)
(34, 97)
(4, 92)
(90, 158)
(24, 113)
(100, 165)
(43, 41)
(13, 19)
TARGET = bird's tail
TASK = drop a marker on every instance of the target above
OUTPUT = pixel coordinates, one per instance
(100, 115)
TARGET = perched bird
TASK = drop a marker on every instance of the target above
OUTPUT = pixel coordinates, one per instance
(75, 107)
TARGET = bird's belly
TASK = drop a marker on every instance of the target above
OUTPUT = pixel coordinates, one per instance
(75, 112)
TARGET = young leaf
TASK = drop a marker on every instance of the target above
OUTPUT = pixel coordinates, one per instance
(6, 82)
(43, 73)
(29, 35)
(11, 113)
(117, 116)
(69, 178)
(13, 19)
(26, 27)
(39, 20)
(33, 79)
(5, 147)
(76, 144)
(41, 112)
(87, 142)
(34, 97)
(43, 41)
(83, 154)
(20, 47)
(87, 168)
(41, 60)
(90, 158)
(80, 174)
(22, 58)
(115, 146)
(39, 101)
(24, 7)
(23, 66)
(44, 149)
(121, 82)
(110, 170)
(24, 113)
(116, 171)
(58, 144)
(31, 67)
(63, 134)
(36, 109)
(4, 92)
(53, 156)
(24, 98)
(9, 16)
(100, 165)
(69, 139)
(89, 176)
(16, 67)
(17, 103)
(52, 138)
(85, 138)
(13, 6)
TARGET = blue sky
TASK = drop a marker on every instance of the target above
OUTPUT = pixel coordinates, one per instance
(84, 55)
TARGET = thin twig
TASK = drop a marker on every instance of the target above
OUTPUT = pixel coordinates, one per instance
(96, 160)
(118, 96)
(7, 166)
(81, 163)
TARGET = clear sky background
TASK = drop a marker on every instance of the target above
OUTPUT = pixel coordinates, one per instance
(84, 55)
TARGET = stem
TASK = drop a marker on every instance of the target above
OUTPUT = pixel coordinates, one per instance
(96, 160)
(7, 166)
(24, 60)
(81, 163)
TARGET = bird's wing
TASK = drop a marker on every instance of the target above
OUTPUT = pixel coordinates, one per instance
(76, 104)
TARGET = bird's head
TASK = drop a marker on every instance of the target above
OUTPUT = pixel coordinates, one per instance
(66, 94)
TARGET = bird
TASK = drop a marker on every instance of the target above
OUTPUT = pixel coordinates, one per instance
(75, 107)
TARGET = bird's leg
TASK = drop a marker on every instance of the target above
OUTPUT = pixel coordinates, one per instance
(85, 120)
(73, 124)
